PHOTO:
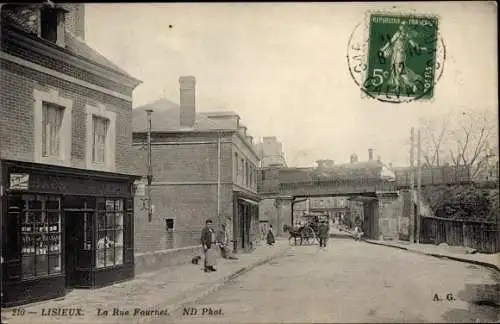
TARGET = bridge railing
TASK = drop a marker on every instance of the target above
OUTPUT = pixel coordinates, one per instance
(435, 175)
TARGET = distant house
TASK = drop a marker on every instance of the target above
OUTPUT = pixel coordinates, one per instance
(270, 152)
(204, 166)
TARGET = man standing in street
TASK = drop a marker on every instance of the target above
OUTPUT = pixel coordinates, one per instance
(324, 229)
(208, 242)
(223, 240)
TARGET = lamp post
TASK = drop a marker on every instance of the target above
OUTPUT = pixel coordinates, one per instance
(412, 186)
(218, 174)
(150, 169)
(419, 184)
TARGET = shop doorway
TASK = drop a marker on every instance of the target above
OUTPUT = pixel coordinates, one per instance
(72, 241)
(78, 227)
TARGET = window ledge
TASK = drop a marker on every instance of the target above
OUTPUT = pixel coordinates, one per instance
(101, 167)
(54, 161)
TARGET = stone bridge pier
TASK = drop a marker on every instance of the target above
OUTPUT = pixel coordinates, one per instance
(389, 216)
(276, 211)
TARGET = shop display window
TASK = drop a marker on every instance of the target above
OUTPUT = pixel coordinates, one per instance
(109, 233)
(40, 222)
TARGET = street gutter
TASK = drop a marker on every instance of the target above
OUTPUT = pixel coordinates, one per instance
(192, 298)
(437, 255)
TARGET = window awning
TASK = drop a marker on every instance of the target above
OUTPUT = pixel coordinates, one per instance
(249, 201)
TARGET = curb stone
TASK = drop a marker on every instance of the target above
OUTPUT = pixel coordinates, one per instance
(436, 255)
(189, 297)
(193, 298)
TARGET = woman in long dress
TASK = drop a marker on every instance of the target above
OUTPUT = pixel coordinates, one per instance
(270, 236)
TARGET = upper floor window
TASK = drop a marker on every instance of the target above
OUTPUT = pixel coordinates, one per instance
(52, 117)
(247, 174)
(236, 166)
(101, 138)
(49, 19)
(250, 181)
(52, 23)
(100, 129)
(242, 170)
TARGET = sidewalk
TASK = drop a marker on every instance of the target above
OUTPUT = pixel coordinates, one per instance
(339, 232)
(457, 253)
(167, 289)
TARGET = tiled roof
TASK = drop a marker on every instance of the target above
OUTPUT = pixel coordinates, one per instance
(166, 117)
(74, 44)
(219, 114)
(78, 47)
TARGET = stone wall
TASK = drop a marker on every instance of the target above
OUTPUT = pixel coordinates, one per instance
(390, 211)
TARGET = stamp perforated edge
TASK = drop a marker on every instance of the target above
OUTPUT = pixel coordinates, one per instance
(402, 12)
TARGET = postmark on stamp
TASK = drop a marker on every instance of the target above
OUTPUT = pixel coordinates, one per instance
(396, 57)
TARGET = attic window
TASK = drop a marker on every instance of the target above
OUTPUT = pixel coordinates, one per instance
(49, 23)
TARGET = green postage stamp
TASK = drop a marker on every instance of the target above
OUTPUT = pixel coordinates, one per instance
(400, 59)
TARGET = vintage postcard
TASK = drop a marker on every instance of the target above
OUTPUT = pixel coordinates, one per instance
(249, 162)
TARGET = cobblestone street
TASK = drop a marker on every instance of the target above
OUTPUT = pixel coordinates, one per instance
(161, 290)
(353, 282)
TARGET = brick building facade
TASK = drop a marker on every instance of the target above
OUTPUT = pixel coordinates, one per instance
(204, 166)
(270, 152)
(65, 181)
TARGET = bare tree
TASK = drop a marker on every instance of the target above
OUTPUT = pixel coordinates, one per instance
(433, 136)
(466, 137)
(470, 140)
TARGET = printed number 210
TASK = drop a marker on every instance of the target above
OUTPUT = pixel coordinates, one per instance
(18, 312)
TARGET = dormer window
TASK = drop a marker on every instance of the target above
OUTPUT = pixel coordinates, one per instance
(49, 21)
(52, 24)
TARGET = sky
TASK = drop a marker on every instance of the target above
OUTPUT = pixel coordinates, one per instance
(282, 67)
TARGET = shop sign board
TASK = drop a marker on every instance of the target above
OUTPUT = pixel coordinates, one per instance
(19, 181)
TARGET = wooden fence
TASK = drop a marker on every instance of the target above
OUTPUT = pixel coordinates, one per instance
(479, 235)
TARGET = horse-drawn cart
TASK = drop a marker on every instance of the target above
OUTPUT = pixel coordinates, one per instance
(308, 231)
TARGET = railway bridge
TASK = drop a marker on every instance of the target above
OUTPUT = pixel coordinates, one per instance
(383, 192)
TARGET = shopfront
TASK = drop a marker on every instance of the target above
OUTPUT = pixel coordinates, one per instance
(246, 221)
(63, 228)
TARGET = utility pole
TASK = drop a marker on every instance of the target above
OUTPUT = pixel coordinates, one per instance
(419, 184)
(412, 185)
(150, 168)
(218, 174)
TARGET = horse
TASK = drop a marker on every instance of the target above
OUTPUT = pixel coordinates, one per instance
(294, 233)
(303, 232)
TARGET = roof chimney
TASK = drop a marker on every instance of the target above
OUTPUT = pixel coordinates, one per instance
(354, 158)
(370, 154)
(187, 100)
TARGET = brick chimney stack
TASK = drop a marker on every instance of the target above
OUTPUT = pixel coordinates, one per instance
(370, 154)
(75, 18)
(187, 101)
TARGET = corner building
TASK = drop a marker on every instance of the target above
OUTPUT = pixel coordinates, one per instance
(204, 166)
(66, 200)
